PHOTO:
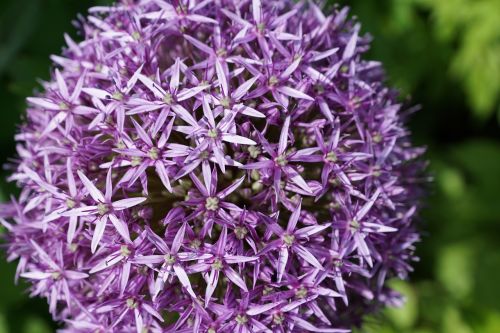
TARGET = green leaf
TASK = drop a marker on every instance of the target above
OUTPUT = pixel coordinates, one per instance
(487, 275)
(11, 294)
(19, 20)
(454, 323)
(491, 323)
(3, 324)
(36, 325)
(473, 25)
(406, 316)
(451, 182)
(455, 269)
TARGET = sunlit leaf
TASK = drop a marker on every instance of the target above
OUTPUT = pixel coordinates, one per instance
(455, 269)
(3, 324)
(454, 323)
(36, 325)
(405, 316)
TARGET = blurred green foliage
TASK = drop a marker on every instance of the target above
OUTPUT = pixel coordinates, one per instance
(473, 25)
(445, 54)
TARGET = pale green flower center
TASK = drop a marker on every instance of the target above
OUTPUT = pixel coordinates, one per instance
(70, 203)
(267, 290)
(240, 232)
(281, 160)
(118, 96)
(167, 99)
(154, 153)
(63, 106)
(225, 102)
(212, 133)
(257, 186)
(319, 88)
(354, 224)
(241, 319)
(334, 205)
(254, 151)
(301, 292)
(169, 259)
(204, 155)
(273, 80)
(120, 145)
(288, 239)
(195, 244)
(131, 303)
(136, 35)
(102, 208)
(334, 181)
(278, 318)
(124, 251)
(136, 161)
(222, 52)
(217, 264)
(212, 203)
(331, 157)
(261, 27)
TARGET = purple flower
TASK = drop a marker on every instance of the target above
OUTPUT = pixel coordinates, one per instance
(214, 166)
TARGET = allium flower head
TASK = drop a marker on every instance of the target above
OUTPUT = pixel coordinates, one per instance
(214, 166)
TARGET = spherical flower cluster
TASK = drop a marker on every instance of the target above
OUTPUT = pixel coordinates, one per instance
(214, 166)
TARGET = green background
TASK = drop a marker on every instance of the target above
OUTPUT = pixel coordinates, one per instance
(444, 54)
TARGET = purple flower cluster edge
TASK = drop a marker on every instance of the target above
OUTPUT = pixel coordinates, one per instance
(214, 166)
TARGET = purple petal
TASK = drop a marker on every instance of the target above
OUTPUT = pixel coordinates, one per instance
(294, 218)
(199, 45)
(294, 93)
(350, 47)
(221, 76)
(184, 115)
(238, 139)
(74, 275)
(120, 226)
(363, 247)
(127, 203)
(284, 136)
(93, 191)
(155, 88)
(142, 133)
(43, 103)
(307, 256)
(98, 232)
(213, 278)
(188, 93)
(162, 173)
(257, 10)
(97, 93)
(230, 189)
(368, 205)
(235, 259)
(260, 309)
(36, 275)
(61, 85)
(244, 88)
(282, 261)
(235, 278)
